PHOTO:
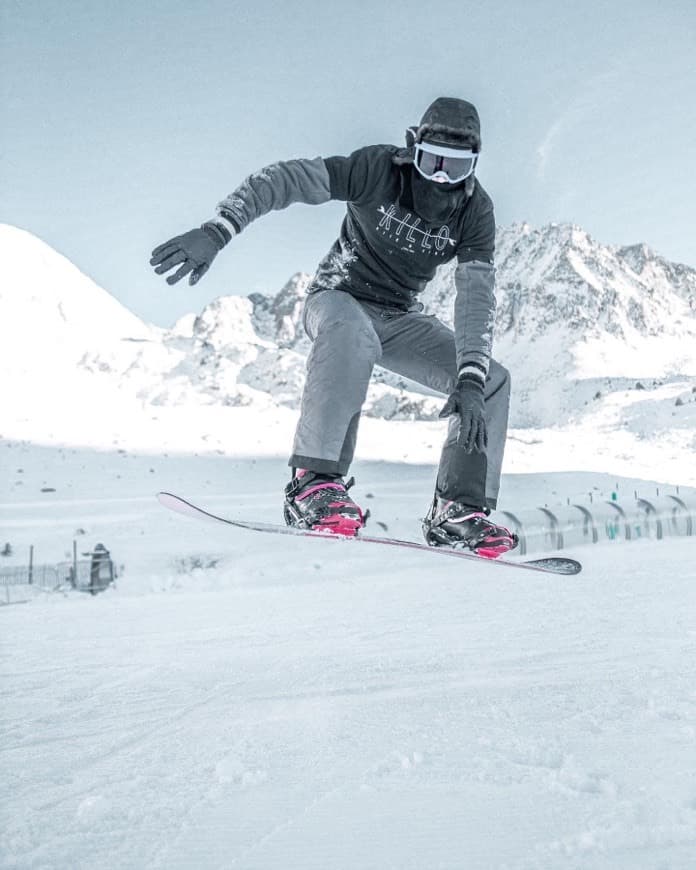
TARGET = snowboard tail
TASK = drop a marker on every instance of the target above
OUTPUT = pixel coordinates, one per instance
(547, 565)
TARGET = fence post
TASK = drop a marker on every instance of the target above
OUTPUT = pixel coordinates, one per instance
(31, 564)
(74, 556)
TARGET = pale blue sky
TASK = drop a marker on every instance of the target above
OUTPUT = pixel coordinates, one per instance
(124, 123)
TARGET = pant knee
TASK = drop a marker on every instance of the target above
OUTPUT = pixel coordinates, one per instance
(498, 378)
(353, 336)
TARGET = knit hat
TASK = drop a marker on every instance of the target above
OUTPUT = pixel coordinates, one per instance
(451, 121)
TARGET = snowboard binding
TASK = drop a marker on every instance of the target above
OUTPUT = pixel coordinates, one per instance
(451, 524)
(320, 502)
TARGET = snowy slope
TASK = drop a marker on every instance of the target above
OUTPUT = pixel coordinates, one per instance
(61, 338)
(49, 307)
(239, 701)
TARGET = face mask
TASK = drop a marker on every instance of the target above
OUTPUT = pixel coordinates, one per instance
(435, 203)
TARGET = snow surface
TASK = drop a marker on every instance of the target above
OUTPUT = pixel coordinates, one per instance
(241, 701)
(237, 700)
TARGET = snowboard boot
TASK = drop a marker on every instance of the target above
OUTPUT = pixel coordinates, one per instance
(321, 502)
(452, 524)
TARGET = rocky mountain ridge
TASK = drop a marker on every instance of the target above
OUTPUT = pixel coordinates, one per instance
(575, 319)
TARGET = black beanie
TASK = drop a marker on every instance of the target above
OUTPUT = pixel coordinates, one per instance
(452, 121)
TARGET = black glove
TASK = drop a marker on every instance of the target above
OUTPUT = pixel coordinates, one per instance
(195, 251)
(467, 401)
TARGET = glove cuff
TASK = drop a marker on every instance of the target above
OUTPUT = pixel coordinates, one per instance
(225, 225)
(216, 233)
(473, 373)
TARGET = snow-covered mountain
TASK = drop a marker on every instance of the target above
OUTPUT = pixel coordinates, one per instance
(577, 321)
(576, 318)
(51, 314)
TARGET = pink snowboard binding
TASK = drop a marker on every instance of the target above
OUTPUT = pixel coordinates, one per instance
(321, 502)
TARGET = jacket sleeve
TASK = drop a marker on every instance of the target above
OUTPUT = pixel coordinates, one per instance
(474, 315)
(479, 240)
(474, 303)
(276, 187)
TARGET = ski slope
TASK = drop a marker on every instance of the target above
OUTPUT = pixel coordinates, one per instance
(241, 702)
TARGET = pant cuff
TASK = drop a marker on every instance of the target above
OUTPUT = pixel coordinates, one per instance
(470, 500)
(327, 466)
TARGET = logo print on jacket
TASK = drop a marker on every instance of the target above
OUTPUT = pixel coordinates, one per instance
(407, 229)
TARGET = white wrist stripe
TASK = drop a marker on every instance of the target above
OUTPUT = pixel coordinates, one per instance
(228, 225)
(473, 370)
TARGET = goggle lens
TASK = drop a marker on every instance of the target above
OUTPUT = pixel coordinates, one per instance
(433, 160)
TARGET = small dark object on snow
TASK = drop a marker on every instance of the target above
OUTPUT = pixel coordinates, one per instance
(101, 571)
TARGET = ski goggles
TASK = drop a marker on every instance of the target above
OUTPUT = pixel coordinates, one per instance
(443, 164)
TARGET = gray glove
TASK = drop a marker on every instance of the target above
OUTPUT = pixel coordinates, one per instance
(195, 251)
(467, 401)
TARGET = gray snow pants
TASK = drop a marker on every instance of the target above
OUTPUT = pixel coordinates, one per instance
(349, 337)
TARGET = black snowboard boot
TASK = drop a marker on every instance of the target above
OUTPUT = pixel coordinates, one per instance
(452, 524)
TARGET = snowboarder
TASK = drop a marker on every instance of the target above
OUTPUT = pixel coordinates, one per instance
(409, 210)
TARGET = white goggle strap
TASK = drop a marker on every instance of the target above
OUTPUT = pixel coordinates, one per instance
(444, 151)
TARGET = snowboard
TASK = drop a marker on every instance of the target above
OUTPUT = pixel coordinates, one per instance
(546, 565)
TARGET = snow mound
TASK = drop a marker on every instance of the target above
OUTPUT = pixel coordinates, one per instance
(49, 307)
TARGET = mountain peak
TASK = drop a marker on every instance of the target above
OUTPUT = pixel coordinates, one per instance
(51, 303)
(278, 317)
(636, 255)
(557, 278)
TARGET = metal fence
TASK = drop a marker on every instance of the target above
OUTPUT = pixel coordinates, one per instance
(85, 575)
(557, 527)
